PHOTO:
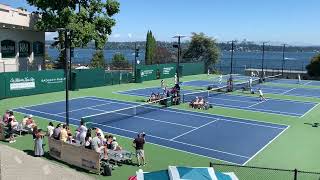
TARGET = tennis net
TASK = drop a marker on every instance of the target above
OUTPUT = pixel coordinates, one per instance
(124, 113)
(188, 97)
(273, 78)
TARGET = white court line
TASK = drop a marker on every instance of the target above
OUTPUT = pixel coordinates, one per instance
(309, 110)
(200, 147)
(256, 104)
(281, 113)
(265, 146)
(289, 90)
(85, 108)
(83, 97)
(193, 130)
(141, 117)
(209, 116)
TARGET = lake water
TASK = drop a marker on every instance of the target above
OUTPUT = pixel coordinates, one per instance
(293, 60)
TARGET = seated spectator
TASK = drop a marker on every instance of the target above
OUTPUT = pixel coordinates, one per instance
(195, 102)
(108, 143)
(152, 98)
(64, 134)
(98, 130)
(30, 123)
(50, 129)
(56, 132)
(99, 147)
(87, 142)
(14, 123)
(114, 145)
(69, 133)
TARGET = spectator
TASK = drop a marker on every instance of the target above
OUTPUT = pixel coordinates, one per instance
(56, 132)
(109, 141)
(98, 146)
(114, 145)
(82, 132)
(30, 123)
(5, 117)
(14, 123)
(64, 133)
(69, 133)
(50, 129)
(34, 133)
(10, 131)
(87, 142)
(138, 144)
(38, 146)
(98, 130)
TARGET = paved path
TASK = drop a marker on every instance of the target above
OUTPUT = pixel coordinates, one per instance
(17, 165)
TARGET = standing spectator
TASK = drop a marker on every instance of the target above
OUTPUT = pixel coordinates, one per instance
(56, 132)
(34, 133)
(14, 123)
(82, 132)
(5, 117)
(64, 133)
(176, 78)
(69, 133)
(50, 129)
(138, 144)
(38, 146)
(10, 131)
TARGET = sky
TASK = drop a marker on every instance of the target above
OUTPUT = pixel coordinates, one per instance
(293, 22)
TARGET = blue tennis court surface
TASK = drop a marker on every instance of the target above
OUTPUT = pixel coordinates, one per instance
(146, 92)
(295, 81)
(304, 92)
(276, 106)
(228, 139)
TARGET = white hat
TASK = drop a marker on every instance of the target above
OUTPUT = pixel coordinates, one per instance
(30, 116)
(114, 138)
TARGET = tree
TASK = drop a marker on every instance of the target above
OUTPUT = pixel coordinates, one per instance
(119, 61)
(201, 48)
(92, 21)
(97, 60)
(162, 55)
(151, 46)
(314, 67)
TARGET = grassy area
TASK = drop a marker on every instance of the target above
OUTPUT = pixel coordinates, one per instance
(295, 148)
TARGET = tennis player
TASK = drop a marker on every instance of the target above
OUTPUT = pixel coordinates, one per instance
(176, 79)
(299, 79)
(220, 79)
(261, 95)
(250, 84)
(162, 84)
(208, 72)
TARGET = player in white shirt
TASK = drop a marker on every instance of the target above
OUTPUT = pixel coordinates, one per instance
(261, 95)
(220, 79)
(162, 84)
(176, 79)
(250, 84)
(299, 79)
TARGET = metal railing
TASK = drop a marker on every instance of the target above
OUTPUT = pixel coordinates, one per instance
(262, 173)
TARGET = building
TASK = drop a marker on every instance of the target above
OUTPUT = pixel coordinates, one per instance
(22, 47)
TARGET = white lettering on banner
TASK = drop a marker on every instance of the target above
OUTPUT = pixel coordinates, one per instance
(146, 72)
(22, 85)
(167, 70)
(53, 80)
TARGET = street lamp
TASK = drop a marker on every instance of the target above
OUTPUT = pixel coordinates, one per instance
(283, 59)
(179, 54)
(66, 71)
(262, 61)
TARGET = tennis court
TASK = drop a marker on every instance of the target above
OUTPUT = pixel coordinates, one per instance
(228, 139)
(295, 81)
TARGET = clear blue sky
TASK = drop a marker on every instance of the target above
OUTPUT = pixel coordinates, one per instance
(289, 21)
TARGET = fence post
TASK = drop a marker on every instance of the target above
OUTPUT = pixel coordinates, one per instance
(295, 174)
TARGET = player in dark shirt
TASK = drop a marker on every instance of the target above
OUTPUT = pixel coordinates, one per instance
(138, 144)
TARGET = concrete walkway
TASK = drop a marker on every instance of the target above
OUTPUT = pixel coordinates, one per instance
(17, 165)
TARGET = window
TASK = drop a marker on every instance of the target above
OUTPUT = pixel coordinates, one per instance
(24, 49)
(8, 49)
(38, 48)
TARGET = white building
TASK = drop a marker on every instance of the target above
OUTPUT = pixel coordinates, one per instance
(22, 47)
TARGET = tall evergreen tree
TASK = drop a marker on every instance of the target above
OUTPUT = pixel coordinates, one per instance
(151, 46)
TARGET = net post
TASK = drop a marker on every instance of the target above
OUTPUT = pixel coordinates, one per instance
(295, 174)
